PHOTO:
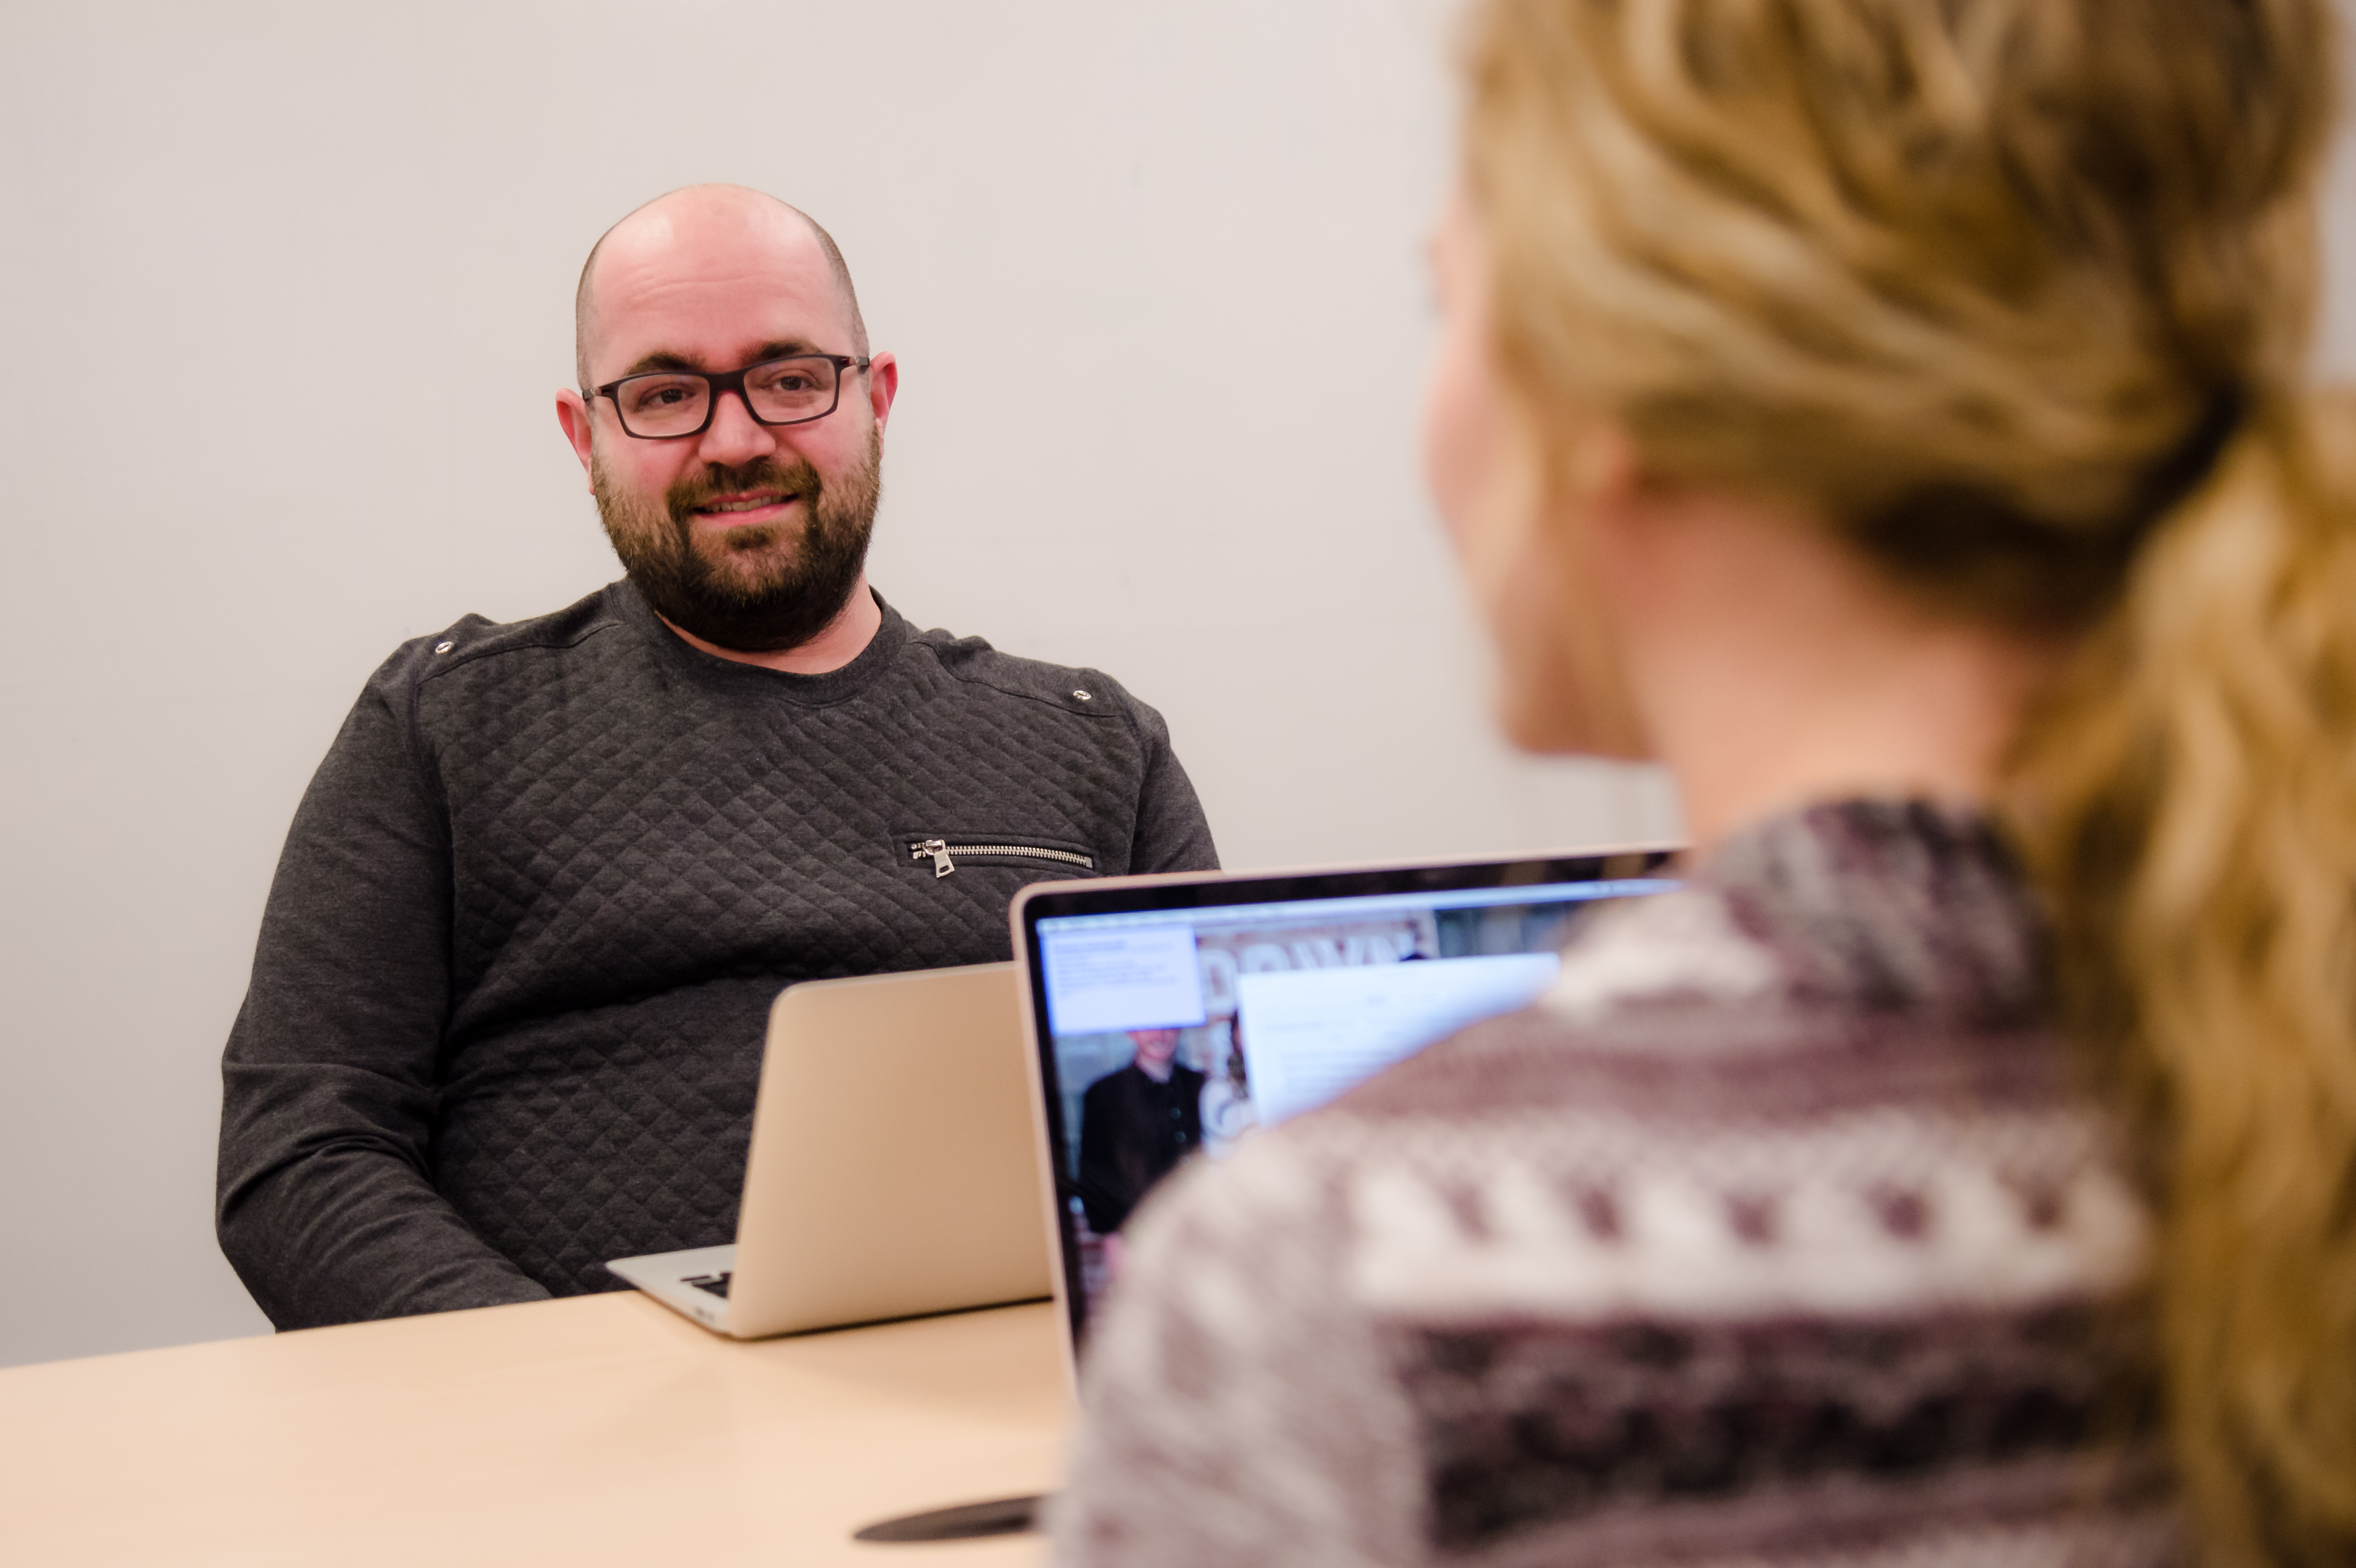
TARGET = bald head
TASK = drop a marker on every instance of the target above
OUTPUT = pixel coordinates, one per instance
(695, 226)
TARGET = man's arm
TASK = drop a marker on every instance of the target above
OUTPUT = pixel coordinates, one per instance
(326, 1207)
(1171, 835)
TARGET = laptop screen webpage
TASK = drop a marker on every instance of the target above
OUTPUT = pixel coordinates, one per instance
(1177, 1030)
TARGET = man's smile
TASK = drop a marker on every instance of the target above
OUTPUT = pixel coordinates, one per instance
(748, 507)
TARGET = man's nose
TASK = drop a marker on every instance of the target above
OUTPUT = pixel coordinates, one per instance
(734, 435)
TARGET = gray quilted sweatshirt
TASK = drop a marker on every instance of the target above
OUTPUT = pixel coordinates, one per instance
(507, 1008)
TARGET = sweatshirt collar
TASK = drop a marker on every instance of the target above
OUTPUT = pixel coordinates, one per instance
(807, 690)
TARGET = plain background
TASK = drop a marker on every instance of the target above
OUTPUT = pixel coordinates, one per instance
(284, 296)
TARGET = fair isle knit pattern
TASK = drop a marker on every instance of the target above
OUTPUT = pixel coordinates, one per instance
(1780, 1232)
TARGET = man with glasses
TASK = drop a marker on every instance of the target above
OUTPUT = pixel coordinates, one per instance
(507, 1007)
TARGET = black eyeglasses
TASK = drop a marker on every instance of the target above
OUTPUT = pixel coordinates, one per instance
(663, 405)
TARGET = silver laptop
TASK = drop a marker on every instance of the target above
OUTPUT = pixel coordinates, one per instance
(893, 1172)
(1170, 1016)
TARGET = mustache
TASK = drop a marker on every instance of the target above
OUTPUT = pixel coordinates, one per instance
(797, 479)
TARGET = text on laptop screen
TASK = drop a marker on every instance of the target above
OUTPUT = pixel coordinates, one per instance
(1179, 1030)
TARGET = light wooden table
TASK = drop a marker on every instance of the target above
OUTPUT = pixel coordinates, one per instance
(603, 1429)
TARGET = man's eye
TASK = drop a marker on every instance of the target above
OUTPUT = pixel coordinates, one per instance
(661, 396)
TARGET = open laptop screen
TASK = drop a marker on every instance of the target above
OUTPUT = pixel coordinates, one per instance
(1177, 1016)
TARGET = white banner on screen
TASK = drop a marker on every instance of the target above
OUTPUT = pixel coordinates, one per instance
(1143, 977)
(1309, 1034)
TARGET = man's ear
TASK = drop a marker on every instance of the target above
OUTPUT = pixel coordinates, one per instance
(573, 413)
(883, 386)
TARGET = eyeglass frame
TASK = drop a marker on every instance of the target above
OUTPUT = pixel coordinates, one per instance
(725, 382)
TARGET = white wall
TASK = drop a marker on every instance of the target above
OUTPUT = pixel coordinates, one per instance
(283, 295)
(286, 292)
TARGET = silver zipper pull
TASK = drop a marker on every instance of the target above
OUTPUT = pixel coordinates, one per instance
(938, 848)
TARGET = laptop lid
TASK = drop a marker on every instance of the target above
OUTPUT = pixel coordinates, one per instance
(893, 1169)
(1171, 1016)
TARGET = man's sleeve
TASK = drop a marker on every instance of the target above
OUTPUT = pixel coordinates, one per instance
(325, 1206)
(1172, 835)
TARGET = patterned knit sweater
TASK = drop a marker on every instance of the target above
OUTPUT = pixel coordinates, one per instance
(1777, 1232)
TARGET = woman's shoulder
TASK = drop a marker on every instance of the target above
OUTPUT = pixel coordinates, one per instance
(1855, 955)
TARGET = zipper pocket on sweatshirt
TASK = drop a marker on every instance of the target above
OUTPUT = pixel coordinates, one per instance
(945, 853)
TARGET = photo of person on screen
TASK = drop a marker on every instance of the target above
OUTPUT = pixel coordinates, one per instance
(1135, 1125)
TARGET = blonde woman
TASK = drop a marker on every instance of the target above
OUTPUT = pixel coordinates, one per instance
(1888, 415)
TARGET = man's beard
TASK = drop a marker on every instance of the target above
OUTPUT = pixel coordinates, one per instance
(752, 589)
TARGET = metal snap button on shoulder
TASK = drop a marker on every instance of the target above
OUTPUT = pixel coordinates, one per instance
(1083, 696)
(444, 647)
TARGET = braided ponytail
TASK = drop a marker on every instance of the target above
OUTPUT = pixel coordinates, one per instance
(2187, 800)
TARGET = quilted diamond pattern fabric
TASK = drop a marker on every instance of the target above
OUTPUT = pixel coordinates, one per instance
(508, 1005)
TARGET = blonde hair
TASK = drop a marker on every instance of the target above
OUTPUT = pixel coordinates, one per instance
(2016, 292)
